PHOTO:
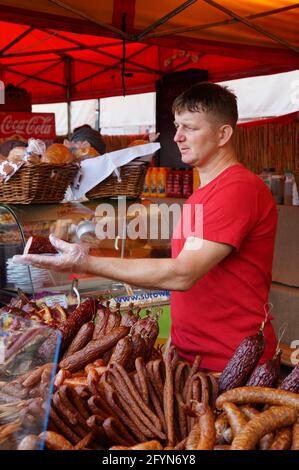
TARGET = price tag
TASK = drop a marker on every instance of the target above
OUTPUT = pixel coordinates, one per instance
(60, 299)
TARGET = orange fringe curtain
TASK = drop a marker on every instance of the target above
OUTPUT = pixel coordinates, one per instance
(269, 145)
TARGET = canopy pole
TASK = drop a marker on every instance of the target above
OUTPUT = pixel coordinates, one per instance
(252, 25)
(68, 94)
(89, 18)
(163, 20)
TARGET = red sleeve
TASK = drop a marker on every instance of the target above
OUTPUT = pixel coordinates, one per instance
(229, 213)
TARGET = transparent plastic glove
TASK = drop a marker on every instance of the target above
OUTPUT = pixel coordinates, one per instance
(71, 257)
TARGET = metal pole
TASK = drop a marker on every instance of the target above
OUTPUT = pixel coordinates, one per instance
(68, 93)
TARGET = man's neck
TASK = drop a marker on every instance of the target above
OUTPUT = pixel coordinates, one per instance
(213, 168)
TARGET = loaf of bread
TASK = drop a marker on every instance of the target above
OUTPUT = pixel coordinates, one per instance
(57, 153)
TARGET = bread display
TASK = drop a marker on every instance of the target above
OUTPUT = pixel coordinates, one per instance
(57, 153)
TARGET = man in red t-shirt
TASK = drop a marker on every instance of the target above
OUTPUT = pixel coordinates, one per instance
(220, 270)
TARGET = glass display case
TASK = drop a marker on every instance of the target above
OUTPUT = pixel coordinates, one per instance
(115, 227)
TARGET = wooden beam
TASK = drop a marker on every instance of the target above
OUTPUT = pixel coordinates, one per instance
(200, 27)
(251, 25)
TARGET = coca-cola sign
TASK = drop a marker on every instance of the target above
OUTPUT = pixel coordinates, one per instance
(38, 125)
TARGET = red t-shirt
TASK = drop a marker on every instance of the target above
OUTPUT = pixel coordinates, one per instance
(228, 303)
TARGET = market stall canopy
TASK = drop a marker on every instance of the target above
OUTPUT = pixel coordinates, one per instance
(69, 50)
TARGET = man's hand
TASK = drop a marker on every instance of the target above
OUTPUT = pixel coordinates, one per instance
(71, 257)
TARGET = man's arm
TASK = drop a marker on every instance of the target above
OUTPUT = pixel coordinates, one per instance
(172, 274)
(196, 259)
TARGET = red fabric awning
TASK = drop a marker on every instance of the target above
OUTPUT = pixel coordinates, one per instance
(69, 50)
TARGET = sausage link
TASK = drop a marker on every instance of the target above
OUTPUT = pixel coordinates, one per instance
(148, 445)
(81, 339)
(65, 430)
(269, 396)
(193, 438)
(55, 441)
(168, 398)
(116, 432)
(100, 323)
(84, 442)
(157, 405)
(93, 350)
(221, 425)
(79, 403)
(181, 445)
(157, 374)
(235, 417)
(63, 393)
(151, 378)
(267, 421)
(283, 439)
(129, 405)
(141, 373)
(94, 423)
(181, 368)
(207, 427)
(109, 395)
(267, 439)
(182, 418)
(151, 417)
(193, 370)
(214, 390)
(295, 440)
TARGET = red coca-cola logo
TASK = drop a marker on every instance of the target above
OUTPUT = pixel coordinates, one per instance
(27, 125)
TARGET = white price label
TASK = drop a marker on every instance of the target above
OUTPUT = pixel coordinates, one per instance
(60, 299)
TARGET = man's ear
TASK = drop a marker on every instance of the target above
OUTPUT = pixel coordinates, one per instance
(225, 133)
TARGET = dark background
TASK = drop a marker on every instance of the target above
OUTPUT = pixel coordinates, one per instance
(168, 88)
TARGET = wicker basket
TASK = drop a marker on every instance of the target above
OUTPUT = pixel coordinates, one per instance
(38, 184)
(131, 184)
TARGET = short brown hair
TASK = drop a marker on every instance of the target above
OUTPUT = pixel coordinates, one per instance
(209, 98)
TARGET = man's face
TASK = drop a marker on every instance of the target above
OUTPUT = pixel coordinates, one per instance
(196, 137)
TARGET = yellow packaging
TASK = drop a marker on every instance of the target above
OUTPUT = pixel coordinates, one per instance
(161, 181)
(154, 181)
(147, 183)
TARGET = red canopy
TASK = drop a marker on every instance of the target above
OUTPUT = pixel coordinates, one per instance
(70, 50)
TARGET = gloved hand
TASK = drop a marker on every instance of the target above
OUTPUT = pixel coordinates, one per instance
(71, 257)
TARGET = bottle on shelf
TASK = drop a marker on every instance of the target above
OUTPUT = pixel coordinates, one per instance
(169, 182)
(147, 183)
(288, 188)
(177, 183)
(266, 176)
(154, 181)
(277, 188)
